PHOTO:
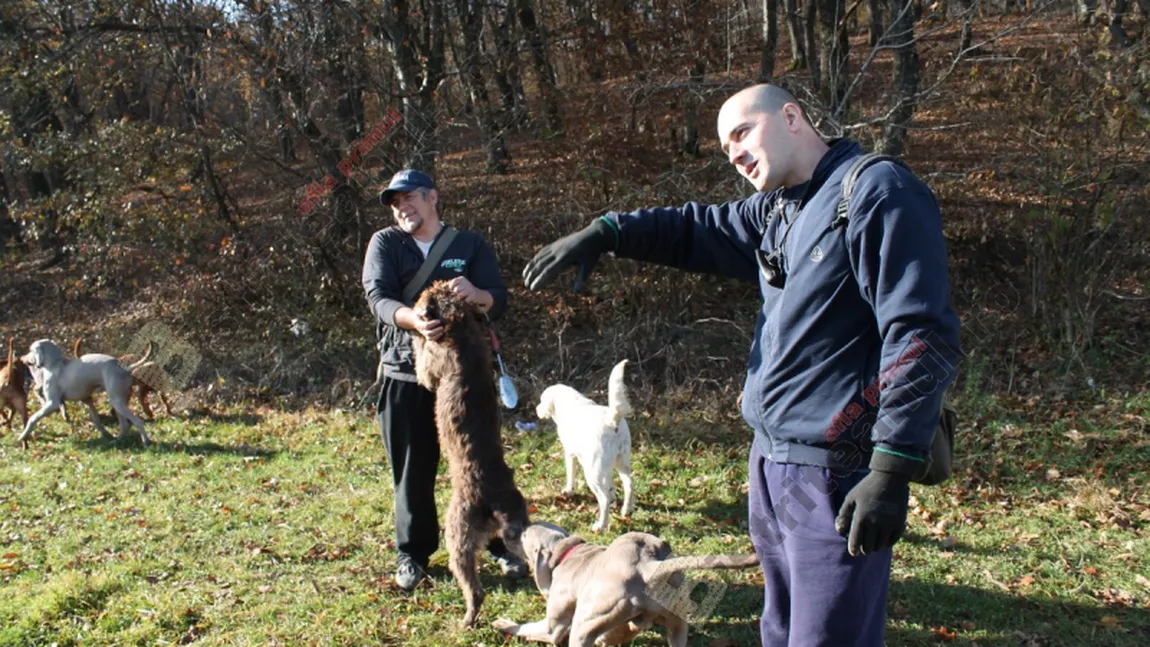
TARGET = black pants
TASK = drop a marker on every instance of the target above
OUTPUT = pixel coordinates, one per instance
(406, 414)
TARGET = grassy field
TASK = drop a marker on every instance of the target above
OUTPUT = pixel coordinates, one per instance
(258, 527)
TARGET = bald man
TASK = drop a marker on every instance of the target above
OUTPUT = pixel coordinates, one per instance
(855, 344)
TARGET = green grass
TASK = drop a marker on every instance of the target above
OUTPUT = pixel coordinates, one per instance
(261, 527)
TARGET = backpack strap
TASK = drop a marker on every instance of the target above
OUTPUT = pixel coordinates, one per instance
(414, 287)
(851, 178)
(938, 463)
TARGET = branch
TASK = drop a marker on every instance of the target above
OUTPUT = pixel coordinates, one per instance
(1126, 297)
(959, 57)
(117, 26)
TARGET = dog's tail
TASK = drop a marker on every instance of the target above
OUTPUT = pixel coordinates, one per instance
(675, 565)
(12, 362)
(617, 394)
(140, 362)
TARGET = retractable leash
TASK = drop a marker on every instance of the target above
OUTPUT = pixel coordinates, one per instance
(507, 391)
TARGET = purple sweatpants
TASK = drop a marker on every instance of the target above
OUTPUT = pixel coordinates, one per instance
(817, 595)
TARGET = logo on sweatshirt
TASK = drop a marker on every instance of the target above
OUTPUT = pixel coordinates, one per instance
(817, 254)
(456, 264)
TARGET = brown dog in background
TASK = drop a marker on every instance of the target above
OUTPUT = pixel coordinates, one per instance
(13, 397)
(147, 377)
(459, 368)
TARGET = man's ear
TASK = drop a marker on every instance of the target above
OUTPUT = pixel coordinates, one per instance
(792, 116)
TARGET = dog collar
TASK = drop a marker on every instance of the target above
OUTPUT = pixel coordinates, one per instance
(567, 553)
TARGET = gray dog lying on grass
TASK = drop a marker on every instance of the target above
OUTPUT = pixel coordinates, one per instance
(75, 380)
(606, 595)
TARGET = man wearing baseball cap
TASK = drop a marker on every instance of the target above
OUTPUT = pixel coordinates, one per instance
(405, 410)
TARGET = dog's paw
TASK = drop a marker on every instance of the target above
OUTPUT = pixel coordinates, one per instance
(509, 627)
(567, 491)
(598, 528)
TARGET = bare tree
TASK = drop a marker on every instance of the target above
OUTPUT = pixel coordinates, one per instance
(185, 58)
(508, 77)
(906, 76)
(418, 61)
(545, 74)
(471, 23)
(797, 34)
(833, 50)
(770, 40)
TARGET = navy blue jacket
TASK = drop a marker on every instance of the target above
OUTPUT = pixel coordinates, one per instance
(392, 259)
(858, 346)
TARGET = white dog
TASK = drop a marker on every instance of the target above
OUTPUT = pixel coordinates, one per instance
(598, 436)
(75, 380)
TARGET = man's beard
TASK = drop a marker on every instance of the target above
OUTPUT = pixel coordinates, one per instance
(410, 225)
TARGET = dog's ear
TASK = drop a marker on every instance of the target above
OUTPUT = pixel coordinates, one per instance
(542, 572)
(546, 408)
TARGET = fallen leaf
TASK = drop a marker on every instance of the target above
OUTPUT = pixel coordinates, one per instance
(1137, 578)
(1110, 622)
(1053, 474)
(942, 634)
(1026, 580)
(1090, 570)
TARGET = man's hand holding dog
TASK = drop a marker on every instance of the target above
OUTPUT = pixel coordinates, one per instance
(431, 329)
(409, 319)
(464, 288)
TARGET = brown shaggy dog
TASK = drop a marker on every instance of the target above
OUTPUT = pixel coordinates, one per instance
(459, 368)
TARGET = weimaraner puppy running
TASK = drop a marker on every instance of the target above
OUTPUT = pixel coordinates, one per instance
(75, 380)
(606, 595)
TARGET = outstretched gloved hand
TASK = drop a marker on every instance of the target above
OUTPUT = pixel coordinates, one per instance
(582, 248)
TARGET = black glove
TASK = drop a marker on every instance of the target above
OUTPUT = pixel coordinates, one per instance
(874, 511)
(581, 248)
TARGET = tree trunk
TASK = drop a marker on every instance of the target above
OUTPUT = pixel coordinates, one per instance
(691, 110)
(968, 9)
(833, 48)
(507, 75)
(471, 21)
(797, 34)
(813, 63)
(906, 76)
(621, 22)
(9, 229)
(770, 40)
(591, 33)
(543, 70)
(876, 22)
(189, 71)
(417, 83)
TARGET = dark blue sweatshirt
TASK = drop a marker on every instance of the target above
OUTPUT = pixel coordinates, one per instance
(858, 346)
(392, 259)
